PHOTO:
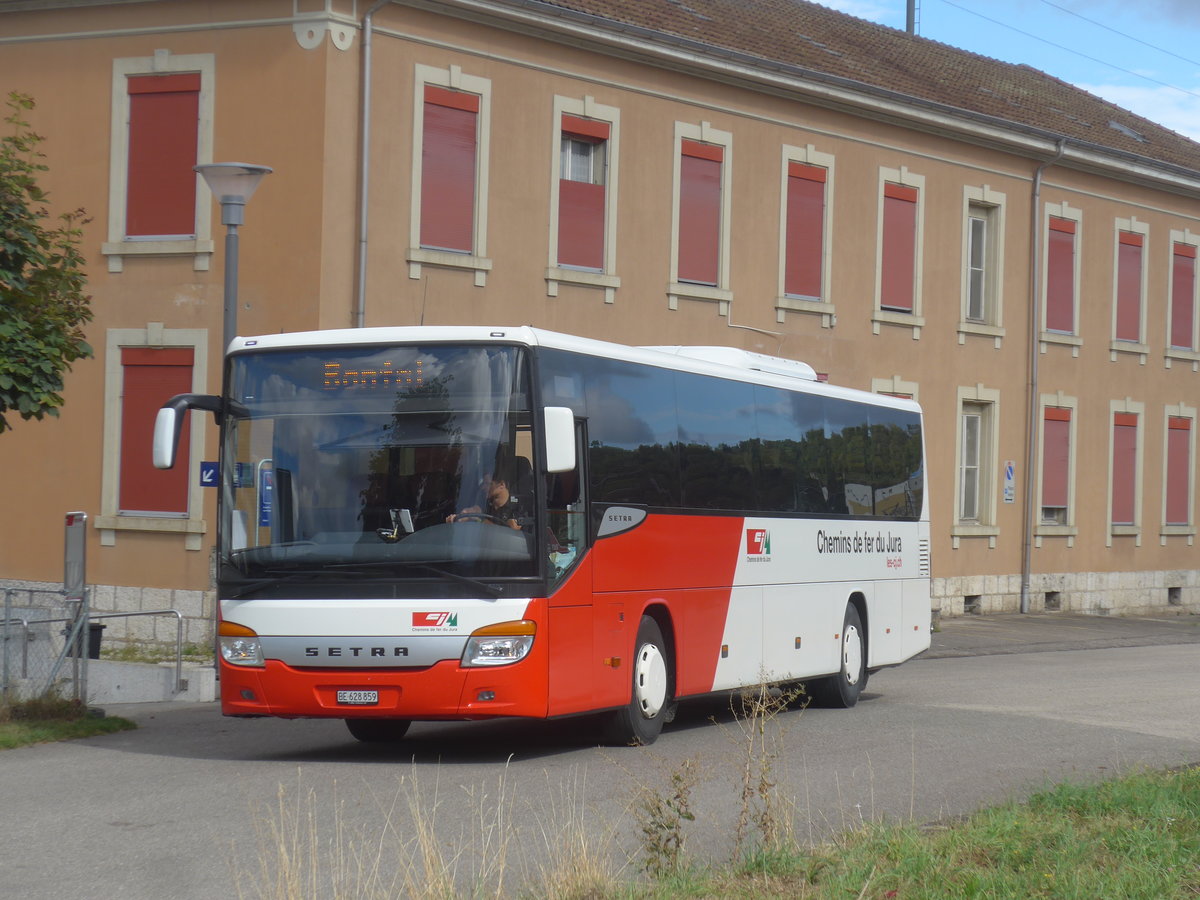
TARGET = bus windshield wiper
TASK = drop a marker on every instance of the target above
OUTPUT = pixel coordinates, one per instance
(368, 569)
(491, 590)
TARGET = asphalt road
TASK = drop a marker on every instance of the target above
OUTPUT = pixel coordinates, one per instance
(192, 805)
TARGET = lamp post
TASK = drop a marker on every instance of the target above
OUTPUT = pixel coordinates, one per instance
(232, 184)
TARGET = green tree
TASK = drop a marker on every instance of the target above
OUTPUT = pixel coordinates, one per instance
(42, 304)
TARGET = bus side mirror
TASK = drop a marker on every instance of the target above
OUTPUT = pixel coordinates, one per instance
(560, 438)
(167, 426)
(169, 423)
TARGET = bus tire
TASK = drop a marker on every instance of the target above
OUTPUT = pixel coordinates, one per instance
(651, 697)
(378, 731)
(841, 691)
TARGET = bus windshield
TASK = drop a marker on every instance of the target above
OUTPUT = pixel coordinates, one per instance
(392, 461)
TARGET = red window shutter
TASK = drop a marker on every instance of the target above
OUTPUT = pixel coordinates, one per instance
(1124, 473)
(151, 377)
(1183, 295)
(805, 241)
(1056, 457)
(448, 159)
(899, 254)
(1060, 276)
(164, 114)
(699, 212)
(581, 224)
(593, 128)
(1179, 468)
(1129, 287)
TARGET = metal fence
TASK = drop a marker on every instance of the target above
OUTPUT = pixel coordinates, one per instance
(41, 651)
(45, 645)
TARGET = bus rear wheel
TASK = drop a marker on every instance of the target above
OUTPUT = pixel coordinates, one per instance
(650, 703)
(378, 731)
(842, 690)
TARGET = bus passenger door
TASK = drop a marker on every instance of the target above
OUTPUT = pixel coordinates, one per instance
(569, 584)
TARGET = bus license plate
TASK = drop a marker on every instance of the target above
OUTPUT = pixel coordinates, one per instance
(358, 698)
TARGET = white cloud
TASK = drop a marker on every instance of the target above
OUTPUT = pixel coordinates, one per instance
(1168, 107)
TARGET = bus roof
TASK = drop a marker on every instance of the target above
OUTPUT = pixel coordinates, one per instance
(722, 362)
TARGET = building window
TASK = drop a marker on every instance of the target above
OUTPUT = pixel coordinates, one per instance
(1060, 279)
(449, 156)
(805, 230)
(700, 229)
(982, 265)
(143, 369)
(150, 377)
(449, 174)
(978, 454)
(160, 200)
(898, 260)
(979, 263)
(1179, 455)
(1060, 276)
(162, 111)
(1125, 469)
(969, 455)
(1183, 296)
(1128, 325)
(581, 192)
(1057, 447)
(583, 197)
(804, 221)
(700, 184)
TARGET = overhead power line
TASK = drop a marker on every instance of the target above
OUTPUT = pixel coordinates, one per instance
(1094, 59)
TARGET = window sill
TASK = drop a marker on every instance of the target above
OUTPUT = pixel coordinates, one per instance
(981, 329)
(1175, 353)
(584, 278)
(903, 319)
(1177, 531)
(702, 292)
(991, 532)
(1070, 532)
(813, 307)
(200, 250)
(1130, 347)
(193, 529)
(1133, 531)
(448, 259)
(1064, 340)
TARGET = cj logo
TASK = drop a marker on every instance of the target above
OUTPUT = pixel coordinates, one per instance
(758, 541)
(434, 620)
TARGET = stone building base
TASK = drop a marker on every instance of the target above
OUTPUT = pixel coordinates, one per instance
(1094, 593)
(45, 600)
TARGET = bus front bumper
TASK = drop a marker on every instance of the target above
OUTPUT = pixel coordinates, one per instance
(445, 690)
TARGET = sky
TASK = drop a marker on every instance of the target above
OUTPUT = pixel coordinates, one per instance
(1143, 55)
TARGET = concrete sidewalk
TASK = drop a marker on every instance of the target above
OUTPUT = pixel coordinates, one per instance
(1041, 632)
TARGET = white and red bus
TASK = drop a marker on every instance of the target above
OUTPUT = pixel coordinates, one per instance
(674, 522)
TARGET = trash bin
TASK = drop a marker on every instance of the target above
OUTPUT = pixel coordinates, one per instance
(95, 633)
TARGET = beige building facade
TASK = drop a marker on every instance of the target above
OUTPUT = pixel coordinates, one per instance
(614, 171)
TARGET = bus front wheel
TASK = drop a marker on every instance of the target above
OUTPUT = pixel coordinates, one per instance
(377, 731)
(843, 689)
(641, 721)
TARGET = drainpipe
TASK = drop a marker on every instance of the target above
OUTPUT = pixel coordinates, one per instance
(1035, 322)
(364, 167)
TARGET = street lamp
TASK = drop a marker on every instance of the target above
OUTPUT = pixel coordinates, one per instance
(232, 184)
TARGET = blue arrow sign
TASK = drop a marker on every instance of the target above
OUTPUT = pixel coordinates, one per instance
(208, 474)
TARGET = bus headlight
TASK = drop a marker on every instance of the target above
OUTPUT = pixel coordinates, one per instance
(499, 645)
(239, 645)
